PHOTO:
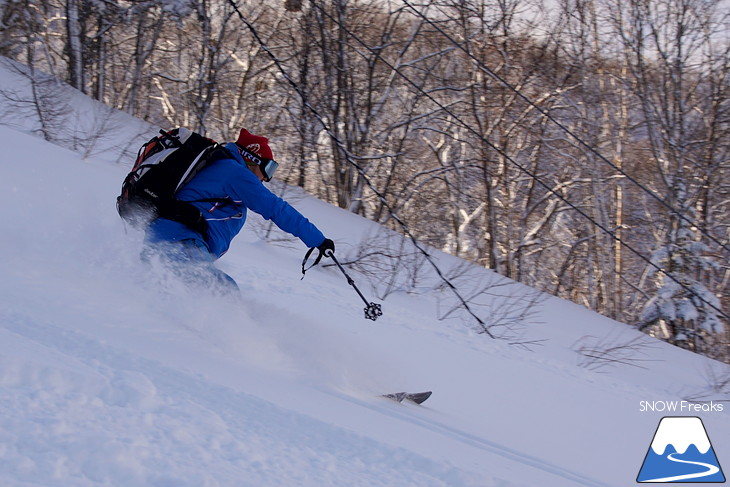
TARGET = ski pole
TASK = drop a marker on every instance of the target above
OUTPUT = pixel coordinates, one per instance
(372, 310)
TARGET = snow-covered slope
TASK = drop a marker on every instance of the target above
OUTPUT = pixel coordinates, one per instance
(107, 379)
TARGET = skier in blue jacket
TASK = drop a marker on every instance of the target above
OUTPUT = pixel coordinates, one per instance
(224, 191)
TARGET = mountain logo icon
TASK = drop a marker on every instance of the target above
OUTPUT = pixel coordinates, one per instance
(681, 452)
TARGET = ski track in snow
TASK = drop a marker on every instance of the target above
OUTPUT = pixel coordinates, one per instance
(440, 429)
(215, 420)
(212, 421)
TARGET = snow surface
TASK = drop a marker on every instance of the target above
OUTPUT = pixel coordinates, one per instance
(114, 374)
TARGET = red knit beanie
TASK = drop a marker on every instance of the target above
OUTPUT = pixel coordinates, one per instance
(255, 143)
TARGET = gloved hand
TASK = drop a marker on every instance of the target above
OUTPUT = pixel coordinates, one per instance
(326, 247)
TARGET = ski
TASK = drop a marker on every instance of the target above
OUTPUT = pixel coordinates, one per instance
(416, 397)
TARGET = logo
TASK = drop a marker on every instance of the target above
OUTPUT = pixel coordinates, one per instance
(681, 452)
(680, 407)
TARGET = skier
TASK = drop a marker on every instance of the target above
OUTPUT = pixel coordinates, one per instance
(223, 191)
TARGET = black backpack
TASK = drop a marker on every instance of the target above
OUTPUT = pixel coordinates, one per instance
(163, 166)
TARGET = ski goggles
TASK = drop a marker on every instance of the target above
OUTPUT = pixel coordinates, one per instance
(267, 166)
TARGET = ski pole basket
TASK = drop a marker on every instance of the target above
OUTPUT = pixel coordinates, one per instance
(372, 310)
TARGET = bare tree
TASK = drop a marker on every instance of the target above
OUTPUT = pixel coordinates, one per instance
(671, 50)
(533, 146)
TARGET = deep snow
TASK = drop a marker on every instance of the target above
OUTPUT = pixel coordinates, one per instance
(114, 374)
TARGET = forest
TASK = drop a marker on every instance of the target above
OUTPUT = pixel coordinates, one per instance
(581, 147)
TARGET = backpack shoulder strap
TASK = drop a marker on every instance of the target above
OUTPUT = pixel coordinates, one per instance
(200, 161)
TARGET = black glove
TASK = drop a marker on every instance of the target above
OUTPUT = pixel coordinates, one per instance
(327, 245)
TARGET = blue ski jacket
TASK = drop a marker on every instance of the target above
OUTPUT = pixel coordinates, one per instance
(227, 177)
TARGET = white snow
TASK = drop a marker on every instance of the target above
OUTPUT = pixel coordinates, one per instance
(107, 380)
(681, 432)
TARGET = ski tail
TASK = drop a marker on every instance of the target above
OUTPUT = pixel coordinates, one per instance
(415, 397)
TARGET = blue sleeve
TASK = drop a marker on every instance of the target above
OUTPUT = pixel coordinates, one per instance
(257, 197)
